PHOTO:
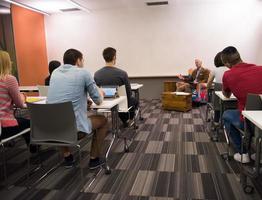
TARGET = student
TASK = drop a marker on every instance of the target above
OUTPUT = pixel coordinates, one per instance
(70, 82)
(240, 80)
(111, 75)
(217, 74)
(216, 77)
(199, 75)
(10, 97)
(52, 66)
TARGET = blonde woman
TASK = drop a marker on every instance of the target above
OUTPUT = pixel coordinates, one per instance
(10, 96)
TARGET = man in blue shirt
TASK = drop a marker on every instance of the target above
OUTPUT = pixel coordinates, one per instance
(70, 82)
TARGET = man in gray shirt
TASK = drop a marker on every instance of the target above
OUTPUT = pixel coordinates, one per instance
(70, 82)
(112, 76)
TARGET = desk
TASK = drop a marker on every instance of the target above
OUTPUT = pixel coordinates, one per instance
(135, 88)
(28, 88)
(112, 105)
(255, 117)
(230, 102)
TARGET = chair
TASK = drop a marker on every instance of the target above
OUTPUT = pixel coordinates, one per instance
(54, 125)
(3, 141)
(43, 90)
(123, 108)
(213, 107)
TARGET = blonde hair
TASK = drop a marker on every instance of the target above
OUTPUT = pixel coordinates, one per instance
(5, 64)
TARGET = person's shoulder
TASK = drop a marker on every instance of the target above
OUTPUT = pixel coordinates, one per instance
(11, 78)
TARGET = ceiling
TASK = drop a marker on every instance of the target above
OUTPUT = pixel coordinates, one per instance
(55, 6)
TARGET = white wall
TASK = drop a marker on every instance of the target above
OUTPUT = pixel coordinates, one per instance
(163, 40)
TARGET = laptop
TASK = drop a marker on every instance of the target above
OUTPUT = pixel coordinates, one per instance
(110, 91)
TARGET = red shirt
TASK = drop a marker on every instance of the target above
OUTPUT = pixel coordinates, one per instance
(242, 79)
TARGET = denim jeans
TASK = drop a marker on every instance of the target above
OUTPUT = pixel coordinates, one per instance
(231, 119)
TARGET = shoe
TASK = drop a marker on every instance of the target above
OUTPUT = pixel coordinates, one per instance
(253, 157)
(69, 161)
(95, 163)
(245, 159)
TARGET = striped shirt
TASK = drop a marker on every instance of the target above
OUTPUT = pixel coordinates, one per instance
(9, 95)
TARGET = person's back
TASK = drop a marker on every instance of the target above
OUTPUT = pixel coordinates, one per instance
(242, 79)
(71, 83)
(218, 73)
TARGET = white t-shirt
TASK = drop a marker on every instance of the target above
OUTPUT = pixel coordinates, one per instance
(218, 73)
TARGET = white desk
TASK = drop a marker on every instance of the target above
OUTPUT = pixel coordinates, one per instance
(135, 88)
(108, 103)
(254, 117)
(224, 101)
(223, 98)
(28, 88)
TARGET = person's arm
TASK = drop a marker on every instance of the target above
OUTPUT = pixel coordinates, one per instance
(94, 92)
(226, 90)
(13, 89)
(210, 80)
(127, 85)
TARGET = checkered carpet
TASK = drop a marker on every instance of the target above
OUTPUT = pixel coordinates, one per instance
(171, 157)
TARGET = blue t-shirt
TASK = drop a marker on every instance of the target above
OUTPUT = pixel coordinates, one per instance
(71, 83)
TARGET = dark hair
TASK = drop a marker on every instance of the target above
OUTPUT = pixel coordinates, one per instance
(218, 60)
(230, 56)
(71, 56)
(109, 54)
(53, 65)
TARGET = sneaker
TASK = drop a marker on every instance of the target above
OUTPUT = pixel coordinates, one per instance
(69, 161)
(245, 159)
(253, 157)
(95, 163)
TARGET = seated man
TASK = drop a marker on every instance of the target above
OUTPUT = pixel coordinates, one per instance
(52, 66)
(110, 75)
(199, 75)
(70, 82)
(240, 80)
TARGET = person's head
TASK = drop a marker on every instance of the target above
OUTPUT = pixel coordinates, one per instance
(73, 57)
(5, 64)
(218, 60)
(53, 65)
(109, 55)
(230, 56)
(198, 63)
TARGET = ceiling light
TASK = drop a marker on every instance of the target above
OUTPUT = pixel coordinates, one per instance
(79, 6)
(27, 7)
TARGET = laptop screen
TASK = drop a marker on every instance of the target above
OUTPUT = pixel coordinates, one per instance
(110, 92)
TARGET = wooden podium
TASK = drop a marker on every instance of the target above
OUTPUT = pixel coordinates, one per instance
(179, 101)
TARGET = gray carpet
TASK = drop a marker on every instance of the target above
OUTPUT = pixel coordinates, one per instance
(171, 157)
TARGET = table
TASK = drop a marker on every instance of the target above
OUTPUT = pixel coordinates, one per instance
(28, 88)
(135, 88)
(225, 101)
(255, 117)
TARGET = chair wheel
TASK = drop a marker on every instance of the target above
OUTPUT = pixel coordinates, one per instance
(214, 139)
(107, 169)
(248, 189)
(126, 149)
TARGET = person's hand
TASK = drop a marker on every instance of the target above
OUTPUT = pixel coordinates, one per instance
(89, 104)
(101, 92)
(181, 77)
(23, 97)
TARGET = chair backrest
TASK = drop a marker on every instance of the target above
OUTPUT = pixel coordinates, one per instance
(218, 86)
(43, 90)
(53, 123)
(123, 106)
(253, 102)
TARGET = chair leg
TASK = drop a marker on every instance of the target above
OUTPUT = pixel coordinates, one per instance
(226, 155)
(4, 164)
(80, 165)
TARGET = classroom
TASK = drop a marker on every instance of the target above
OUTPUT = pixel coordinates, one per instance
(131, 99)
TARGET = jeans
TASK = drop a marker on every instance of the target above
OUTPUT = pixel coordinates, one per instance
(231, 120)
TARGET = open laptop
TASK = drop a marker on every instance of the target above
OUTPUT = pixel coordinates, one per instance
(110, 91)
